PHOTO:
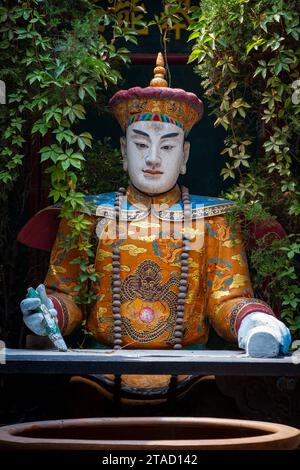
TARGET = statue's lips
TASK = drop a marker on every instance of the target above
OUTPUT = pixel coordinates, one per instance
(153, 172)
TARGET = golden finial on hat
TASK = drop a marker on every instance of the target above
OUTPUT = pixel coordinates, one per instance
(157, 102)
(159, 72)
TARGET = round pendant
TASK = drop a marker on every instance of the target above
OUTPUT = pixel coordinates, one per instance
(146, 314)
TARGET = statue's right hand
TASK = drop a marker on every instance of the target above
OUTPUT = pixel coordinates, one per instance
(32, 317)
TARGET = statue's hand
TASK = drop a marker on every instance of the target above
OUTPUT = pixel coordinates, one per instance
(263, 335)
(32, 317)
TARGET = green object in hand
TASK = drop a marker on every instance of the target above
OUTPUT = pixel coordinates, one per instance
(51, 326)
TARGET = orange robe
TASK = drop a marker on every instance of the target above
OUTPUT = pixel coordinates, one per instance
(219, 287)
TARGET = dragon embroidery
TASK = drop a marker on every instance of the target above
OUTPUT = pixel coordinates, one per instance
(146, 284)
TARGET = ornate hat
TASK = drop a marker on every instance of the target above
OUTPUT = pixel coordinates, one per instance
(157, 102)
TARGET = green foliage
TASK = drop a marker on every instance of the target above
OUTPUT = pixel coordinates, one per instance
(247, 54)
(276, 265)
(56, 58)
(62, 64)
(166, 22)
(168, 16)
(102, 171)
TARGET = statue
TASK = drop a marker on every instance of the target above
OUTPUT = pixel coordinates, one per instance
(164, 282)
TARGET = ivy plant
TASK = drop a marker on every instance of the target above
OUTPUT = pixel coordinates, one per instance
(57, 59)
(105, 160)
(247, 55)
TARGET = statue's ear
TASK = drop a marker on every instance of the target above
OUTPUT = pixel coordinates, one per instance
(123, 143)
(185, 157)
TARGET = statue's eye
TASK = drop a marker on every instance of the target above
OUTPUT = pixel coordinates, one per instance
(167, 147)
(141, 146)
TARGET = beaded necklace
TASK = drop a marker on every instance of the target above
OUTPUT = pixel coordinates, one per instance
(183, 283)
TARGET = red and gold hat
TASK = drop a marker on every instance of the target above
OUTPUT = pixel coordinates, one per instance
(157, 102)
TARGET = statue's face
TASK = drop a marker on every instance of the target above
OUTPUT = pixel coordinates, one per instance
(154, 154)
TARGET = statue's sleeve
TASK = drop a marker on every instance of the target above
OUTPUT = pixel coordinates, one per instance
(62, 279)
(229, 291)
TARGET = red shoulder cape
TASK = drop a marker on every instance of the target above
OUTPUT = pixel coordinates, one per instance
(40, 231)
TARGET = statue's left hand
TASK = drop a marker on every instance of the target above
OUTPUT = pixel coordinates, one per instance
(263, 335)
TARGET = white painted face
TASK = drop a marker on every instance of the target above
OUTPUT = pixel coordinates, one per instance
(154, 154)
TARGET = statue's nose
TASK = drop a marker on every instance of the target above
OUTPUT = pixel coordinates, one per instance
(152, 158)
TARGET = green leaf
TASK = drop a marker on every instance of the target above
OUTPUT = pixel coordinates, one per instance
(64, 134)
(237, 103)
(65, 164)
(81, 93)
(241, 111)
(232, 86)
(254, 44)
(84, 139)
(232, 68)
(194, 55)
(194, 35)
(75, 163)
(79, 111)
(90, 89)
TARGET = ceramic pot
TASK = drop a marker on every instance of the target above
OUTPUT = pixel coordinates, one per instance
(149, 434)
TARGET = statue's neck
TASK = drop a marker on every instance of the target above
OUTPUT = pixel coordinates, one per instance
(170, 197)
(153, 194)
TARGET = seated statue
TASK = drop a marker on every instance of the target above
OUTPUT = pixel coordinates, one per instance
(169, 264)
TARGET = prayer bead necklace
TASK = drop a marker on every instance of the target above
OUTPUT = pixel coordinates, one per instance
(116, 278)
(183, 282)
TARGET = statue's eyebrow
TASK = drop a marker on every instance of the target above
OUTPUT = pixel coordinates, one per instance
(141, 133)
(167, 136)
